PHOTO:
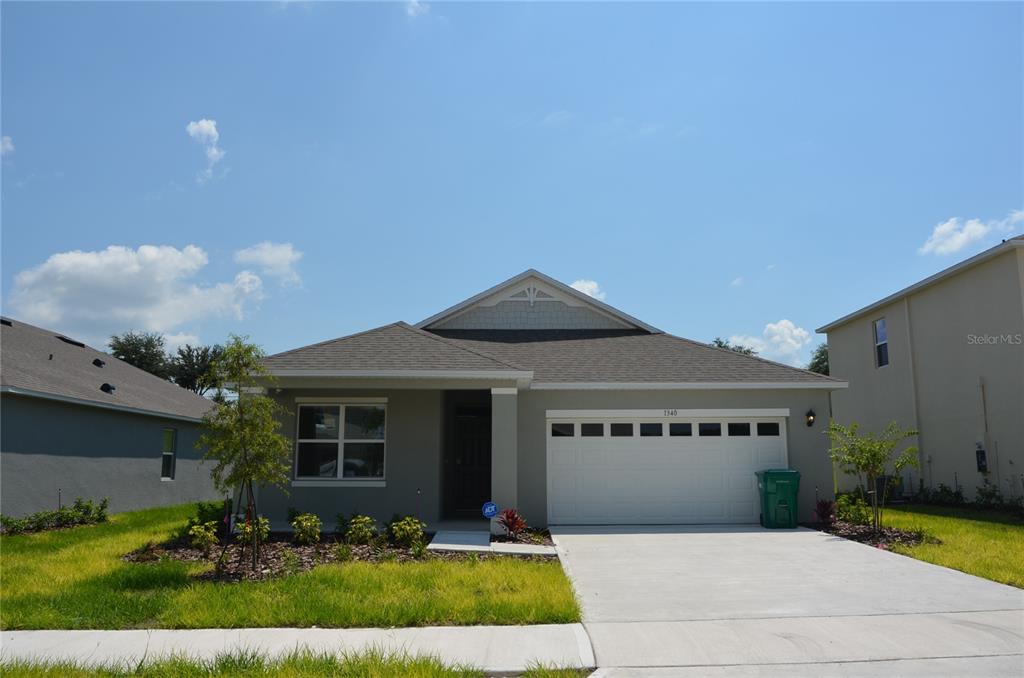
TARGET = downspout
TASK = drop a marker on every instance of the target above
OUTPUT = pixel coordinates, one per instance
(913, 386)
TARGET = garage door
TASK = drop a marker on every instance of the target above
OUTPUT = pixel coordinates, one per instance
(661, 466)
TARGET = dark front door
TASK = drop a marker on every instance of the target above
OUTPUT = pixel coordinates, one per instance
(468, 459)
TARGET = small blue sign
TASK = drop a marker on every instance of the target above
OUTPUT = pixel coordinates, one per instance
(490, 509)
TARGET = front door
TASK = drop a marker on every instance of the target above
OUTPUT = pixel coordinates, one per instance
(468, 460)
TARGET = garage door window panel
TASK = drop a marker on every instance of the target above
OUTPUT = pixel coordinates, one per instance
(709, 429)
(738, 429)
(648, 430)
(563, 430)
(767, 428)
(619, 430)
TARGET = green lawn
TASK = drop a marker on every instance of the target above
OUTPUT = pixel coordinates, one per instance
(983, 543)
(75, 579)
(304, 664)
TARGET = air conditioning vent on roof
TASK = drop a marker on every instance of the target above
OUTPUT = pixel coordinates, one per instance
(98, 363)
(68, 340)
(5, 321)
(107, 388)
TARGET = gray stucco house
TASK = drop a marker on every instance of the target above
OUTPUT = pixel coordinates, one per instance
(944, 356)
(539, 397)
(80, 423)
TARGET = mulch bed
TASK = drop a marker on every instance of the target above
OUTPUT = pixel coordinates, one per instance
(888, 536)
(280, 556)
(536, 537)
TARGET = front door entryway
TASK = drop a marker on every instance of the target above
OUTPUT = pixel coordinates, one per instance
(467, 458)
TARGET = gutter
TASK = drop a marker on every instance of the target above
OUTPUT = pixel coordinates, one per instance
(42, 395)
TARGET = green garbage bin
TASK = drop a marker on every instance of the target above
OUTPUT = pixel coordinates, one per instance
(778, 488)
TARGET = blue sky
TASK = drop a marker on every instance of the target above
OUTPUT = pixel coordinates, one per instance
(742, 170)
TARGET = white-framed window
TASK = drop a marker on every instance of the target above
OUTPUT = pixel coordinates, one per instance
(341, 441)
(169, 452)
(881, 336)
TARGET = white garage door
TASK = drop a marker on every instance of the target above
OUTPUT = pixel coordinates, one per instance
(661, 466)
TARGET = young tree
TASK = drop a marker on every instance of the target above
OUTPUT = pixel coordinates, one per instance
(241, 433)
(192, 367)
(819, 360)
(871, 457)
(718, 342)
(144, 350)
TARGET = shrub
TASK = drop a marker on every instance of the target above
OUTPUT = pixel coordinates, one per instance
(289, 562)
(341, 526)
(245, 530)
(307, 528)
(418, 549)
(943, 495)
(989, 495)
(81, 512)
(406, 531)
(208, 512)
(513, 522)
(852, 508)
(825, 509)
(360, 530)
(203, 536)
(343, 552)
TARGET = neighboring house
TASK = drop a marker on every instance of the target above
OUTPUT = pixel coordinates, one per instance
(75, 422)
(945, 357)
(539, 397)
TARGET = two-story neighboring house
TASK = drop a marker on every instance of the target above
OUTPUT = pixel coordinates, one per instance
(944, 356)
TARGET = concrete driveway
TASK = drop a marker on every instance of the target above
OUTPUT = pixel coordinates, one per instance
(744, 601)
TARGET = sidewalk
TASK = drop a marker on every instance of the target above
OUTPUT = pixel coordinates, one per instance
(494, 649)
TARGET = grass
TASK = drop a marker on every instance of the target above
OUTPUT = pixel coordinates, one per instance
(987, 544)
(364, 665)
(75, 579)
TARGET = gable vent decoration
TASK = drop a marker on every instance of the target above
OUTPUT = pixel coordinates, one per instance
(532, 293)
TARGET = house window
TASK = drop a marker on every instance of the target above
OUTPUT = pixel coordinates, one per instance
(341, 441)
(767, 428)
(592, 430)
(739, 429)
(169, 450)
(650, 430)
(881, 343)
(679, 429)
(563, 430)
(709, 429)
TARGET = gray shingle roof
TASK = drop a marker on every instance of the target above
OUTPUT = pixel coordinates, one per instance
(625, 356)
(27, 365)
(398, 346)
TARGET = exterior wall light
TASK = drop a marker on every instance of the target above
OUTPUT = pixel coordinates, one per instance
(810, 418)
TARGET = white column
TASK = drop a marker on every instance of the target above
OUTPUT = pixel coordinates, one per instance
(504, 450)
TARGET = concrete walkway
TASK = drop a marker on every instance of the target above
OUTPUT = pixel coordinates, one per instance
(479, 541)
(498, 650)
(741, 601)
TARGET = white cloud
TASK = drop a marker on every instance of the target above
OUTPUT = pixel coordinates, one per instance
(556, 118)
(415, 8)
(96, 294)
(769, 267)
(6, 146)
(954, 234)
(589, 287)
(736, 282)
(173, 341)
(205, 132)
(782, 341)
(274, 259)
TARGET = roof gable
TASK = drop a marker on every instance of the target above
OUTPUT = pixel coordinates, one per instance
(533, 301)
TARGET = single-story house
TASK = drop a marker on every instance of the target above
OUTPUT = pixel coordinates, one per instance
(536, 396)
(77, 422)
(945, 357)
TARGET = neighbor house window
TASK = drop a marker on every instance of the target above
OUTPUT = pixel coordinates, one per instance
(341, 441)
(169, 449)
(881, 343)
